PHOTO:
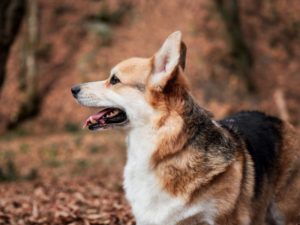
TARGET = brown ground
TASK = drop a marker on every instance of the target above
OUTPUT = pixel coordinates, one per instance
(69, 176)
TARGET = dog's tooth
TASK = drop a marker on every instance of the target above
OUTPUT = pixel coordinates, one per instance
(110, 114)
(93, 121)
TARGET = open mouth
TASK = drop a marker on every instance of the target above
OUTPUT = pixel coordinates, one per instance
(105, 118)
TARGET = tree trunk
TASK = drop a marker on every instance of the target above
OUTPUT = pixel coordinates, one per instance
(30, 105)
(11, 14)
(230, 13)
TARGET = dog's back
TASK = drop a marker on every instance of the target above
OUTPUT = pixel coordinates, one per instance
(272, 145)
(263, 138)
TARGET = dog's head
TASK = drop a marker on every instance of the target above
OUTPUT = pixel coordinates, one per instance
(137, 89)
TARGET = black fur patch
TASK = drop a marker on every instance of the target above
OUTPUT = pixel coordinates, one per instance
(203, 134)
(263, 137)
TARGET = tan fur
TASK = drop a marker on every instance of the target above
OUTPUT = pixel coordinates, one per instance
(232, 194)
(171, 141)
(134, 70)
(288, 184)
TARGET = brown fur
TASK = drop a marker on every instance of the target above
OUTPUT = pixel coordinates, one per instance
(287, 193)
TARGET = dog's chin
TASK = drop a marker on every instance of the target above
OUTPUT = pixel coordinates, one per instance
(107, 118)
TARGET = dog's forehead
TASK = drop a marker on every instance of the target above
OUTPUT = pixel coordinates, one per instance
(133, 68)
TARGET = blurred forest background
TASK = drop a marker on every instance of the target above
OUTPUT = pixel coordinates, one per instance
(242, 54)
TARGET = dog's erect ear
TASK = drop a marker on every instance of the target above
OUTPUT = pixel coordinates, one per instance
(167, 60)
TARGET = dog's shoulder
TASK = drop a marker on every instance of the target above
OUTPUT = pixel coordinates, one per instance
(262, 135)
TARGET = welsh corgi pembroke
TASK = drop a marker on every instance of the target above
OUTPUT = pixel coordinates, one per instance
(183, 167)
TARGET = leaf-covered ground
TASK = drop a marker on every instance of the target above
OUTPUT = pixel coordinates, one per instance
(62, 202)
(63, 179)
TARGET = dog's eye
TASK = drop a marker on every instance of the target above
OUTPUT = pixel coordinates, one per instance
(114, 80)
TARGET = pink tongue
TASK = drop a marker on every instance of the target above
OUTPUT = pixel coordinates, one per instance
(96, 117)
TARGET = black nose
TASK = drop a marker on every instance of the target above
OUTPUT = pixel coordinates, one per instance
(75, 90)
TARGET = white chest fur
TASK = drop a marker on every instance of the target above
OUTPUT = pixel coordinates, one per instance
(150, 204)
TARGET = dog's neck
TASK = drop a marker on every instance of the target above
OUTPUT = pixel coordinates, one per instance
(203, 132)
(187, 138)
(190, 126)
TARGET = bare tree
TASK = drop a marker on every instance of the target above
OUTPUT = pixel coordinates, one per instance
(11, 14)
(30, 104)
(230, 13)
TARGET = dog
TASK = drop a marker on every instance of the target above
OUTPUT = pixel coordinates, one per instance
(183, 167)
